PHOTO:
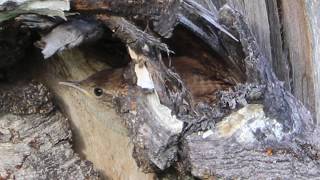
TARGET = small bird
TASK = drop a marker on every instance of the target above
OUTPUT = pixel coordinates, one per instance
(103, 85)
(111, 83)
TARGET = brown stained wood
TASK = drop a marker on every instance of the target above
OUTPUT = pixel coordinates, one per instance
(161, 13)
(202, 80)
(99, 135)
(297, 40)
(117, 6)
(91, 5)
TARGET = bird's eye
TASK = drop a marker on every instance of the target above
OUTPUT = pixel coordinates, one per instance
(98, 91)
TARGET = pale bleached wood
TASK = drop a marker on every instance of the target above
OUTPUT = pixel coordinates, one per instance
(298, 42)
(313, 17)
(286, 32)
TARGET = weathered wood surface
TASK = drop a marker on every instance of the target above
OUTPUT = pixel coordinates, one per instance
(286, 34)
(35, 137)
(242, 143)
(301, 52)
(248, 121)
(314, 30)
(153, 128)
(69, 35)
(287, 124)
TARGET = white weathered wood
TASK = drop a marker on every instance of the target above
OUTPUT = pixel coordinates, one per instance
(313, 16)
(286, 32)
(69, 35)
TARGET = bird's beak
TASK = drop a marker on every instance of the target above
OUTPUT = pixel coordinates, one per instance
(75, 85)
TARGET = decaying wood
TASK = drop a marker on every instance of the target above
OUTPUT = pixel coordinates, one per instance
(285, 34)
(302, 74)
(254, 127)
(287, 126)
(286, 115)
(154, 129)
(35, 137)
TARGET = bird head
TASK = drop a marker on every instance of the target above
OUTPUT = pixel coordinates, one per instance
(103, 85)
(90, 90)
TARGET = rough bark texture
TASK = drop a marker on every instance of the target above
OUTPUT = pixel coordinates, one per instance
(35, 137)
(154, 129)
(163, 14)
(255, 129)
(234, 144)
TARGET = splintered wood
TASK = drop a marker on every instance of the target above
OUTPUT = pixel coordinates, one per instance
(204, 103)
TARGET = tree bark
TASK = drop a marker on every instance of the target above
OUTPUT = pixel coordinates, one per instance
(35, 137)
(248, 125)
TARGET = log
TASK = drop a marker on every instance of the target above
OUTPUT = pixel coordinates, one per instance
(35, 138)
(218, 110)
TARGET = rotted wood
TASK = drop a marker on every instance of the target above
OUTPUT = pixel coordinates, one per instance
(278, 26)
(153, 128)
(68, 35)
(277, 130)
(252, 121)
(281, 121)
(163, 14)
(35, 137)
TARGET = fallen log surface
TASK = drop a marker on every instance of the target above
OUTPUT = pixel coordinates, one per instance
(133, 105)
(35, 137)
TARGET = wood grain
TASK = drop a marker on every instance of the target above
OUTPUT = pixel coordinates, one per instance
(286, 32)
(313, 17)
(297, 39)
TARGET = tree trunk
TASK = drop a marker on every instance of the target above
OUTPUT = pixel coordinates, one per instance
(216, 107)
